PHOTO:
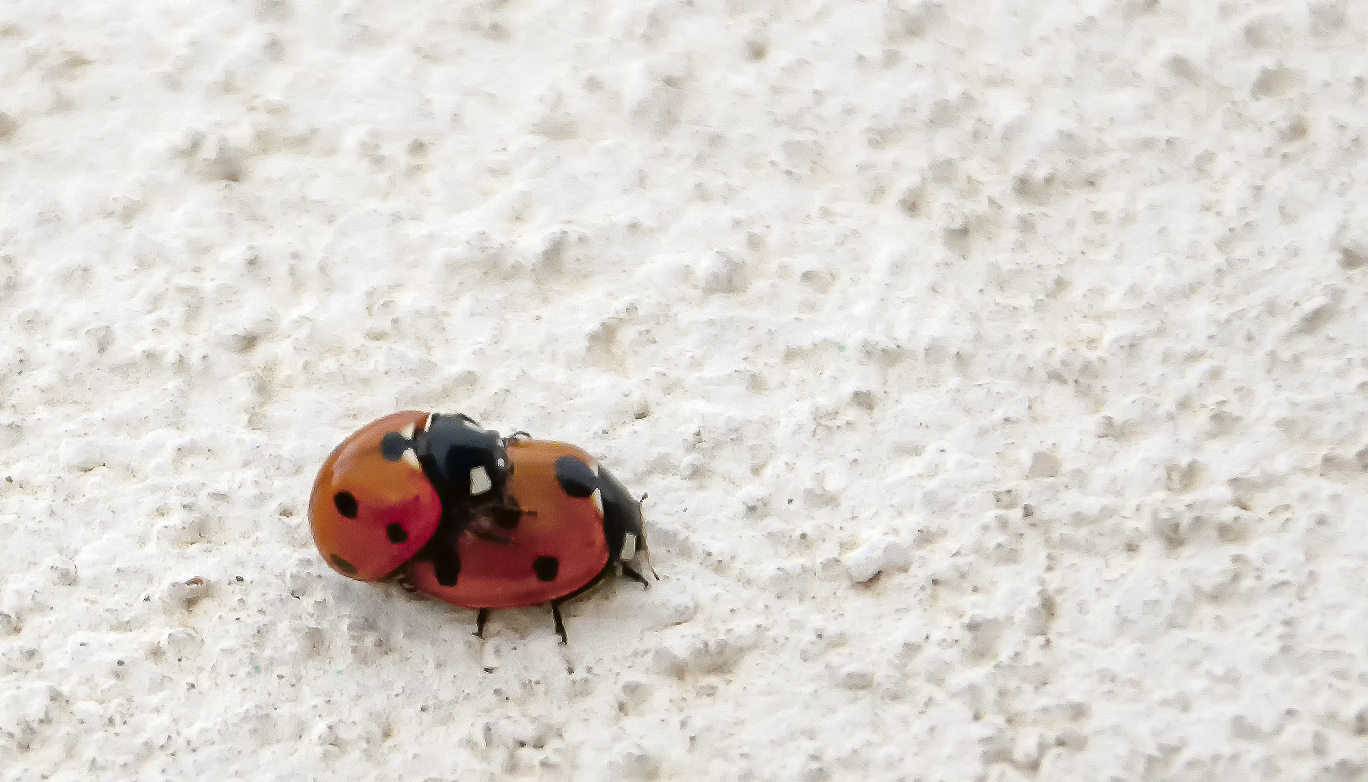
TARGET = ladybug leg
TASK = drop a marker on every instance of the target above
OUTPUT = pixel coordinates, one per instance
(492, 537)
(446, 564)
(481, 617)
(630, 572)
(560, 622)
(494, 523)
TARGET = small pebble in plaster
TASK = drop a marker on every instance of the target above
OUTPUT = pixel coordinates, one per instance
(635, 763)
(723, 272)
(879, 556)
(693, 653)
(8, 127)
(1043, 465)
(1352, 258)
(856, 678)
(755, 499)
(690, 466)
(187, 593)
(81, 454)
(1008, 498)
(674, 610)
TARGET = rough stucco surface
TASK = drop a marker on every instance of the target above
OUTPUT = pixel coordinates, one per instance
(998, 374)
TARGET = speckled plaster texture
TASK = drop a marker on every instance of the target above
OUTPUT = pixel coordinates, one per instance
(998, 373)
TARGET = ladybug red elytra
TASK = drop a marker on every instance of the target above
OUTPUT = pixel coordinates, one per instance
(471, 518)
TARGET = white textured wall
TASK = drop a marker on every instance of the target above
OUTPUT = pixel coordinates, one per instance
(1054, 315)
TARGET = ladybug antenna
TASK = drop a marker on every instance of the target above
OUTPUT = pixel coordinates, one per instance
(642, 550)
(646, 557)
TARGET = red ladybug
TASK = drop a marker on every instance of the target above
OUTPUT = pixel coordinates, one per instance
(472, 518)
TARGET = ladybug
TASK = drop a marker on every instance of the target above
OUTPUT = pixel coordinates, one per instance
(459, 513)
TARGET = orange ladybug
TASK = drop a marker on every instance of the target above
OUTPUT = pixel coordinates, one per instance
(471, 518)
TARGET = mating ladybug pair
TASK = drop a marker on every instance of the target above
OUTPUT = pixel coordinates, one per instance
(466, 516)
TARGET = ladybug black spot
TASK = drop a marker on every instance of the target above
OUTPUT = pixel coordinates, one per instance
(346, 504)
(575, 477)
(546, 568)
(343, 565)
(393, 445)
(396, 533)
